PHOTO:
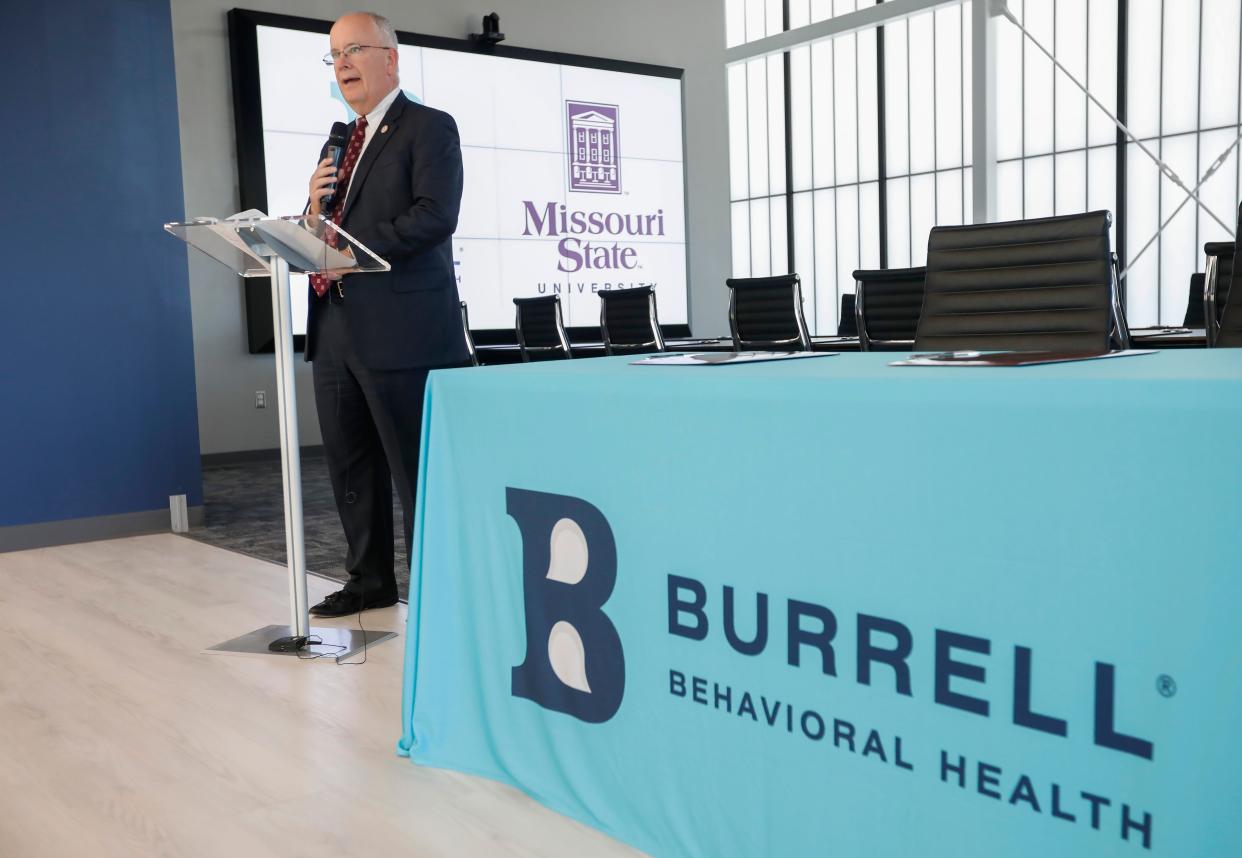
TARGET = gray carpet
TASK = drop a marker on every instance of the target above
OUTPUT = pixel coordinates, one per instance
(244, 510)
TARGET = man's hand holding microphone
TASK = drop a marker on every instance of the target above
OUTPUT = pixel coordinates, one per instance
(323, 180)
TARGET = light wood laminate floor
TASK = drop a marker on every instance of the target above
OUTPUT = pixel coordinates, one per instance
(120, 736)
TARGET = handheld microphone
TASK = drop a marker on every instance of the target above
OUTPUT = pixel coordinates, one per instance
(333, 149)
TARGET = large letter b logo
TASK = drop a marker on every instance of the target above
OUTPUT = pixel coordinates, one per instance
(574, 663)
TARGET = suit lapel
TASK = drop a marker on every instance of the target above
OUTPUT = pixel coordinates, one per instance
(379, 140)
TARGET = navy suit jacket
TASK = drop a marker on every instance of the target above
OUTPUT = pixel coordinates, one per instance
(403, 204)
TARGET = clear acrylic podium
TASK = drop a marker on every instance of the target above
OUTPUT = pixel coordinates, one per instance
(274, 247)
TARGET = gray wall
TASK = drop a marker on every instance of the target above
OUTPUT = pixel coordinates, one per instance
(686, 33)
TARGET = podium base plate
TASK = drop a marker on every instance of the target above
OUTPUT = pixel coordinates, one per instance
(332, 642)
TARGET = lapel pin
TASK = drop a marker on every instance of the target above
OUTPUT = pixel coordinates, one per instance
(383, 129)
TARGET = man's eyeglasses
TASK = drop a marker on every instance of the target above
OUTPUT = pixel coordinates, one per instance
(350, 51)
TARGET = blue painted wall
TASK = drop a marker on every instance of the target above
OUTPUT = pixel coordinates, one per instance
(97, 403)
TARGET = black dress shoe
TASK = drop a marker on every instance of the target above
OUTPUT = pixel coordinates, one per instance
(342, 604)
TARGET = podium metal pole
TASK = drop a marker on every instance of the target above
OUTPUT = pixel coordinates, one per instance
(299, 636)
(292, 639)
(290, 447)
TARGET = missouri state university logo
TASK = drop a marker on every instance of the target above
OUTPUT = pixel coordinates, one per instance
(574, 661)
(594, 162)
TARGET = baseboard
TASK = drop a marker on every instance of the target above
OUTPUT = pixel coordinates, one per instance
(22, 537)
(246, 457)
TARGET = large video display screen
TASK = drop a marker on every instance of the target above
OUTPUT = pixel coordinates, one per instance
(574, 175)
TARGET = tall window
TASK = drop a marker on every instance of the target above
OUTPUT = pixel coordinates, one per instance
(747, 20)
(927, 129)
(835, 199)
(757, 167)
(1056, 152)
(846, 151)
(1182, 82)
(757, 144)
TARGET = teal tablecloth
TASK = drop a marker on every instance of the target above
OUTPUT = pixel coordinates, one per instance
(1000, 606)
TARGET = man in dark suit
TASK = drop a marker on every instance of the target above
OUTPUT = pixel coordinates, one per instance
(373, 337)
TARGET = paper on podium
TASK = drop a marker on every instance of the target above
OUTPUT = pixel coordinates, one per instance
(301, 248)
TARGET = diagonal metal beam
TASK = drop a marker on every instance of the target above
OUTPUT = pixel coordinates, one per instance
(1216, 165)
(1168, 171)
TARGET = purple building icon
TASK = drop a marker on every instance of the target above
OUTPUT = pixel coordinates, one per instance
(594, 162)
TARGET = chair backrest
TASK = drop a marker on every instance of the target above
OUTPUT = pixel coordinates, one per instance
(766, 312)
(1119, 333)
(1194, 303)
(888, 303)
(847, 322)
(541, 328)
(1230, 333)
(628, 321)
(465, 327)
(1034, 285)
(1217, 280)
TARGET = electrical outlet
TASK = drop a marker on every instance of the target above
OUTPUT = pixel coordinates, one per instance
(260, 399)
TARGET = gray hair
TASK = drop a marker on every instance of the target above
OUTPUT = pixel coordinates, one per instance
(388, 33)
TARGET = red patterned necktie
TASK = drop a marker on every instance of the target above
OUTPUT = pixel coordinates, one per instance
(352, 150)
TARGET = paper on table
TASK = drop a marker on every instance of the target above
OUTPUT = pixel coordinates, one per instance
(970, 358)
(717, 358)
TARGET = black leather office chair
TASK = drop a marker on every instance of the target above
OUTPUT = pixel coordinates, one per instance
(766, 313)
(1033, 285)
(1194, 303)
(1217, 279)
(887, 304)
(847, 322)
(541, 328)
(628, 321)
(470, 338)
(1229, 334)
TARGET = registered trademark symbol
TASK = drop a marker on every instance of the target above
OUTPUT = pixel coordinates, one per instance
(1165, 685)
